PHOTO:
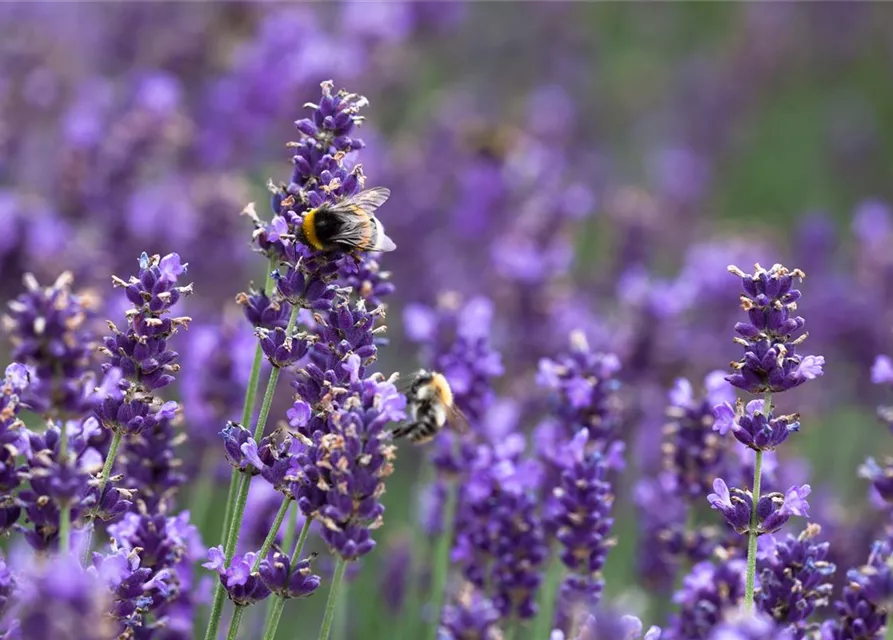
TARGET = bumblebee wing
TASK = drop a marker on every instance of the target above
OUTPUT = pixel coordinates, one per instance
(367, 201)
(360, 228)
(457, 419)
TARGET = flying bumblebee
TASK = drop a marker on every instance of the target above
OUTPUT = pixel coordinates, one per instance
(348, 225)
(431, 406)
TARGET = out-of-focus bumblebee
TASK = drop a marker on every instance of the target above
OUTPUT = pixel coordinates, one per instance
(430, 405)
(348, 225)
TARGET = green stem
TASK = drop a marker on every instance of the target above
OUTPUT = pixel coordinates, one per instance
(271, 537)
(442, 560)
(109, 461)
(511, 629)
(750, 578)
(291, 530)
(201, 497)
(542, 626)
(305, 530)
(326, 628)
(234, 624)
(339, 628)
(273, 616)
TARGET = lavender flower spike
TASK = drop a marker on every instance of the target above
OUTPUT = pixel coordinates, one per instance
(773, 510)
(243, 586)
(753, 425)
(769, 337)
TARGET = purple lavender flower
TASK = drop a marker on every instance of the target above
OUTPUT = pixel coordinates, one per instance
(693, 454)
(862, 612)
(500, 536)
(49, 330)
(141, 355)
(150, 463)
(707, 592)
(344, 467)
(243, 586)
(794, 579)
(740, 625)
(771, 361)
(773, 510)
(168, 547)
(7, 586)
(582, 520)
(130, 584)
(473, 616)
(754, 426)
(607, 624)
(262, 312)
(584, 389)
(56, 479)
(15, 383)
(57, 598)
(289, 582)
(880, 476)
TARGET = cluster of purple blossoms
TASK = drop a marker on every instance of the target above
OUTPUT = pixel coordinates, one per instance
(693, 454)
(581, 521)
(12, 442)
(862, 612)
(500, 535)
(342, 417)
(769, 337)
(49, 328)
(605, 623)
(56, 597)
(707, 592)
(472, 616)
(795, 579)
(60, 478)
(584, 389)
(168, 547)
(139, 359)
(773, 510)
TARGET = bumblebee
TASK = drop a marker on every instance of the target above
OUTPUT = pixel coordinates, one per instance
(348, 225)
(431, 406)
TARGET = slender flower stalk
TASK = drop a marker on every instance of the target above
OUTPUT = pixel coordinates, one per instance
(329, 617)
(441, 564)
(548, 594)
(770, 364)
(235, 622)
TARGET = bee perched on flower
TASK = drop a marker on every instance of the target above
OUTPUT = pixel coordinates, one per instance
(348, 225)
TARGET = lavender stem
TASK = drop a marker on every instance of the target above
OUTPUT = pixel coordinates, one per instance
(750, 579)
(109, 462)
(65, 511)
(543, 624)
(277, 523)
(234, 624)
(326, 628)
(442, 559)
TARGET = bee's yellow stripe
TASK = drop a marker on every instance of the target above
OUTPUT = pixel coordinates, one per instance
(309, 229)
(442, 388)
